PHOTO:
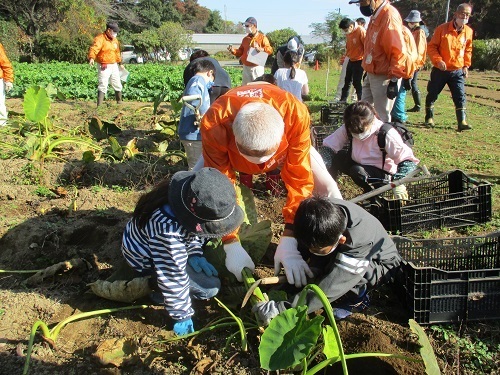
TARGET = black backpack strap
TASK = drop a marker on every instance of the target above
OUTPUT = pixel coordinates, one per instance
(381, 139)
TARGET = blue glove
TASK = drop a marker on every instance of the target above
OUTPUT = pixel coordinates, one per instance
(201, 264)
(184, 327)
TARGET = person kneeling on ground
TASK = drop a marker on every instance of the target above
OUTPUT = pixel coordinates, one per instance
(349, 252)
(362, 159)
(165, 236)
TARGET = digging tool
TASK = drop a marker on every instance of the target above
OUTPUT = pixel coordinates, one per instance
(410, 177)
(186, 100)
(264, 281)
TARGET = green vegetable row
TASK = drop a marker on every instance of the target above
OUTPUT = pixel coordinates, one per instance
(79, 81)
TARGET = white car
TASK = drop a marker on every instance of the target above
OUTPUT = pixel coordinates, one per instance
(129, 56)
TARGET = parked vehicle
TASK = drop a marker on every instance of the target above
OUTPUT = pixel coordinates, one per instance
(129, 56)
(310, 56)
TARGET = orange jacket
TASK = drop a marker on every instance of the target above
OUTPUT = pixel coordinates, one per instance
(354, 43)
(105, 50)
(220, 151)
(247, 42)
(383, 52)
(455, 49)
(6, 70)
(421, 42)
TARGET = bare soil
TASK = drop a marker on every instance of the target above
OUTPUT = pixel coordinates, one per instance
(85, 219)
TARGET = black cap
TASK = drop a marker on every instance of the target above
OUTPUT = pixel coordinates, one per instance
(113, 26)
(251, 20)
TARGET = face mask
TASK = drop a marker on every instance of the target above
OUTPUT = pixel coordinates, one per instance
(257, 159)
(248, 30)
(114, 35)
(366, 10)
(363, 136)
(210, 84)
(334, 247)
(461, 21)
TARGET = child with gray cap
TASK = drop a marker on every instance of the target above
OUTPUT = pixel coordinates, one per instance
(167, 231)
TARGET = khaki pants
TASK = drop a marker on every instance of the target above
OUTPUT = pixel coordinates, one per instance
(193, 152)
(110, 73)
(375, 92)
(250, 73)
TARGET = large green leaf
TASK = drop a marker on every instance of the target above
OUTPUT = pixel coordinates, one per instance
(289, 339)
(36, 104)
(331, 349)
(426, 351)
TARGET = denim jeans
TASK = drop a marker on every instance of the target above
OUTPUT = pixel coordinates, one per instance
(455, 81)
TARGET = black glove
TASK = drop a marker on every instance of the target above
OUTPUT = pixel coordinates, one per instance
(392, 89)
(407, 84)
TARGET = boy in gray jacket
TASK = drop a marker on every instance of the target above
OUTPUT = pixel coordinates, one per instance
(348, 250)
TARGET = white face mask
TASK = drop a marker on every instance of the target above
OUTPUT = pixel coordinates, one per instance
(248, 30)
(334, 247)
(364, 135)
(461, 21)
(113, 34)
(257, 159)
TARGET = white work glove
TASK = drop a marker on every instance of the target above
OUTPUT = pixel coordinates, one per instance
(8, 86)
(91, 62)
(237, 258)
(296, 268)
(400, 193)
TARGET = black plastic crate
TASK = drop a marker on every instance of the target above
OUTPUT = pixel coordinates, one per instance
(451, 200)
(319, 133)
(333, 113)
(451, 279)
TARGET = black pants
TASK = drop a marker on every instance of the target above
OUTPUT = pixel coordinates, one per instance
(354, 74)
(216, 91)
(366, 177)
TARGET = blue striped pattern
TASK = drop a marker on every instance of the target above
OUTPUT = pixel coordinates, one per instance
(162, 248)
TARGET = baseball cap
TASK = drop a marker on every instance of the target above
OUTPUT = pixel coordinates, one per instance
(251, 20)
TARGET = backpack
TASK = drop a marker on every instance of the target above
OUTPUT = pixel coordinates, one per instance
(411, 52)
(403, 131)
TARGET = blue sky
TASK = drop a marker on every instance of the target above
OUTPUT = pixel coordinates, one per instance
(279, 14)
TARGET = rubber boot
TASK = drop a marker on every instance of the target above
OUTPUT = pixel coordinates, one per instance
(462, 123)
(100, 98)
(416, 99)
(246, 179)
(118, 97)
(429, 116)
(273, 185)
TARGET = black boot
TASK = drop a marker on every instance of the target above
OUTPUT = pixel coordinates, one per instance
(118, 97)
(100, 98)
(416, 99)
(462, 124)
(429, 116)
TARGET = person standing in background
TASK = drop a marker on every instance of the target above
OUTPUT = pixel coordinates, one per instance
(291, 78)
(384, 58)
(6, 83)
(420, 33)
(450, 51)
(294, 45)
(355, 39)
(253, 39)
(222, 82)
(106, 51)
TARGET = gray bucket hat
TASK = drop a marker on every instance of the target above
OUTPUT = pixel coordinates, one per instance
(204, 202)
(413, 16)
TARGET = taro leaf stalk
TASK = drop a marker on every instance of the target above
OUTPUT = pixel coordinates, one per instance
(51, 335)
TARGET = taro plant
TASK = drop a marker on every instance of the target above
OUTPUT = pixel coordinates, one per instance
(38, 138)
(292, 340)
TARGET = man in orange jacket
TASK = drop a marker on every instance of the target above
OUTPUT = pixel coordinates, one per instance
(253, 39)
(106, 51)
(384, 55)
(450, 51)
(6, 83)
(259, 128)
